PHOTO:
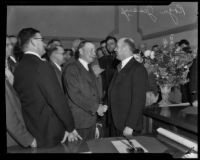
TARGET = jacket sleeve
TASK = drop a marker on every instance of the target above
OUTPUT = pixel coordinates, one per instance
(14, 120)
(139, 87)
(51, 90)
(72, 84)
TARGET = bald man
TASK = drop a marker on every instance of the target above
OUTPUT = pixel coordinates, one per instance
(81, 88)
(127, 91)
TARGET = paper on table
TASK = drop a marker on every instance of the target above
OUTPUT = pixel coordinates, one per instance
(87, 152)
(122, 148)
(175, 105)
(177, 138)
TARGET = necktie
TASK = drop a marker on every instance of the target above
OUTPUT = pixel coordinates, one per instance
(119, 67)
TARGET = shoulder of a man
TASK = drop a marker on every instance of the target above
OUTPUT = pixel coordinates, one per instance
(72, 67)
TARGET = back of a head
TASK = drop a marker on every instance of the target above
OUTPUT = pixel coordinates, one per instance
(102, 42)
(51, 51)
(53, 42)
(24, 37)
(184, 41)
(76, 42)
(131, 44)
(80, 46)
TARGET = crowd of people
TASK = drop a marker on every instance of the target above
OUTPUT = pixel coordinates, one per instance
(56, 94)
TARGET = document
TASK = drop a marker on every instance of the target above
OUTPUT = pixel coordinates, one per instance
(175, 105)
(122, 145)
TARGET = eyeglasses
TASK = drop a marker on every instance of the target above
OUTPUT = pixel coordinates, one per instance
(39, 38)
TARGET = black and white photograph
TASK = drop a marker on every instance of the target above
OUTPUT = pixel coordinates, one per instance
(101, 78)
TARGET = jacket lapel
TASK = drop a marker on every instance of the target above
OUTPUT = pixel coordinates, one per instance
(122, 72)
(86, 73)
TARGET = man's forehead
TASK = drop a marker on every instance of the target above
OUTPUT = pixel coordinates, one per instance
(120, 41)
(38, 35)
(60, 48)
(13, 38)
(111, 41)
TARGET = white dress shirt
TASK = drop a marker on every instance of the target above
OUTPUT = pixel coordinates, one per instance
(58, 66)
(125, 61)
(84, 63)
(13, 58)
(36, 54)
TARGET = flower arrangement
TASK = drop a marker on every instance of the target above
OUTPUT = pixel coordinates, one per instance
(169, 64)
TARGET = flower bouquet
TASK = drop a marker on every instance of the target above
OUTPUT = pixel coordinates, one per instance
(170, 66)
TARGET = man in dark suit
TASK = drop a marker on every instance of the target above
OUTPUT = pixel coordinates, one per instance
(56, 56)
(81, 89)
(127, 92)
(45, 109)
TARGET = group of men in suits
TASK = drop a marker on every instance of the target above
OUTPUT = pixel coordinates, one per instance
(59, 104)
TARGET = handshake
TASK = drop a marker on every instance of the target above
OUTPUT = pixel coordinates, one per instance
(102, 109)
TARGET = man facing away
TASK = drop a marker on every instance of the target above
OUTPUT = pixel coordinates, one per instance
(127, 91)
(81, 89)
(44, 106)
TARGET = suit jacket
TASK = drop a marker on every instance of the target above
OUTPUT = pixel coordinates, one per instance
(44, 106)
(189, 90)
(193, 80)
(58, 74)
(127, 95)
(16, 129)
(83, 96)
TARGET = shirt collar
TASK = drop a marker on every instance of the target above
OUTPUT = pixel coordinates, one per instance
(58, 66)
(125, 61)
(34, 53)
(84, 63)
(13, 58)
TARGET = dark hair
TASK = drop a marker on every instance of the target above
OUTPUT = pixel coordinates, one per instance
(156, 45)
(17, 52)
(130, 44)
(70, 50)
(183, 41)
(99, 49)
(24, 36)
(110, 37)
(51, 50)
(81, 45)
(11, 36)
(51, 43)
(103, 41)
(137, 51)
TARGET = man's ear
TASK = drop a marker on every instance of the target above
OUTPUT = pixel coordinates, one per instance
(32, 43)
(80, 51)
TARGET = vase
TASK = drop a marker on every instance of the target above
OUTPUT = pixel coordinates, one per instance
(165, 91)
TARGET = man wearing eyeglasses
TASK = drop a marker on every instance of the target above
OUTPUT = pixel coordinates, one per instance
(44, 106)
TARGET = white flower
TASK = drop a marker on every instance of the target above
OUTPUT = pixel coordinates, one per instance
(152, 55)
(178, 49)
(147, 53)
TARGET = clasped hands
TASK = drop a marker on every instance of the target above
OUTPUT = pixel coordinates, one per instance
(102, 109)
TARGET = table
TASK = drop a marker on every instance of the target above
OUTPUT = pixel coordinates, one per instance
(102, 145)
(182, 120)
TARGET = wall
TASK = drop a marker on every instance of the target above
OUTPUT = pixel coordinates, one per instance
(96, 22)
